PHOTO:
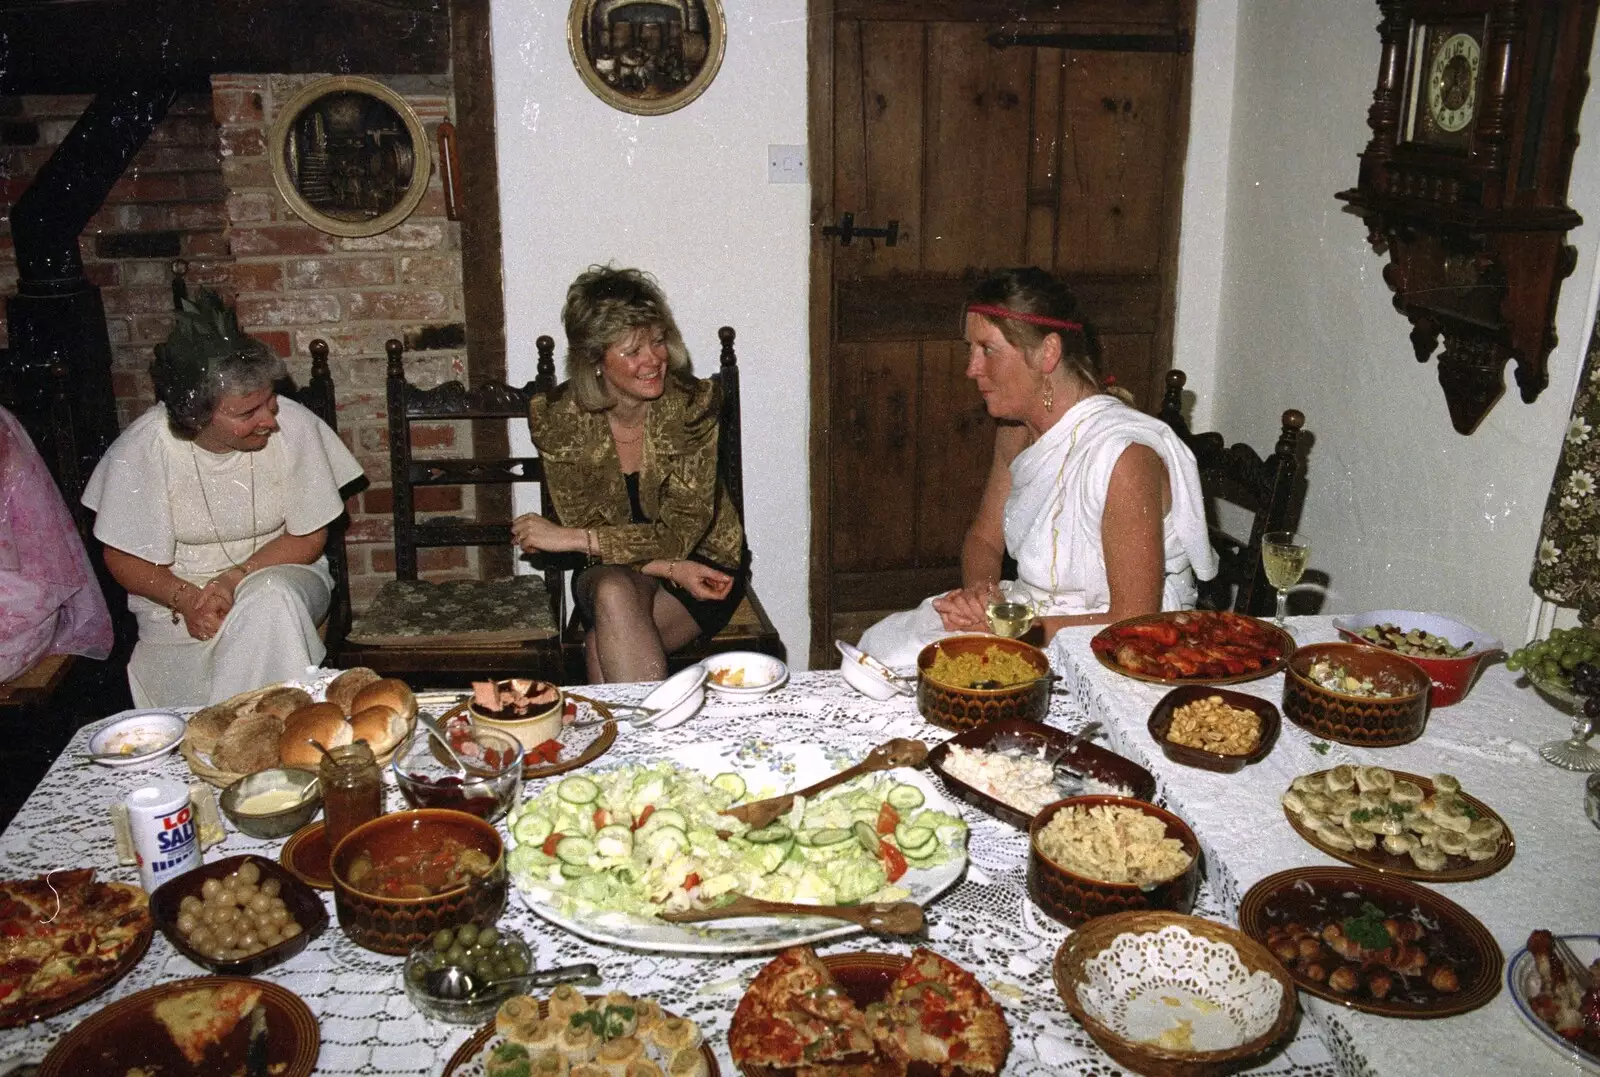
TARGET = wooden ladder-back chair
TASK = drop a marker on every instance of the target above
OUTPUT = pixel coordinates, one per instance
(453, 632)
(750, 629)
(1269, 489)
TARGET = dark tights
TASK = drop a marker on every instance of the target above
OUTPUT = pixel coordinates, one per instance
(636, 625)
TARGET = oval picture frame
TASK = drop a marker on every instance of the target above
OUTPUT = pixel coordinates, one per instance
(647, 65)
(350, 156)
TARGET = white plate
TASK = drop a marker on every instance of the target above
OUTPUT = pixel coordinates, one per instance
(165, 730)
(1522, 980)
(755, 934)
(869, 676)
(762, 673)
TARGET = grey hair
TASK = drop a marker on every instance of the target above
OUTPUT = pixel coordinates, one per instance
(603, 306)
(190, 408)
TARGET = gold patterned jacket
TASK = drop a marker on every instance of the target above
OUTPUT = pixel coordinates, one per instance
(689, 510)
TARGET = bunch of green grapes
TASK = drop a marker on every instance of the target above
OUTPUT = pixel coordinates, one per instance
(1552, 660)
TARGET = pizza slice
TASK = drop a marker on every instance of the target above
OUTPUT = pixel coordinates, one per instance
(204, 1016)
(795, 1014)
(938, 1013)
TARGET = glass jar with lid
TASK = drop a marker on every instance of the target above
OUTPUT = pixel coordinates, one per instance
(352, 789)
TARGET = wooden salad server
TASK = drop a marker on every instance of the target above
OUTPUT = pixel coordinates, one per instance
(878, 917)
(898, 752)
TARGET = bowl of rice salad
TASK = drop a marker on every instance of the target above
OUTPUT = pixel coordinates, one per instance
(964, 682)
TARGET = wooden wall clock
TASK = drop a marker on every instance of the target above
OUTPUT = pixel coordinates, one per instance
(1464, 181)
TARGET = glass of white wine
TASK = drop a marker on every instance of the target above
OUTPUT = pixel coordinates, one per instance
(1284, 555)
(1009, 612)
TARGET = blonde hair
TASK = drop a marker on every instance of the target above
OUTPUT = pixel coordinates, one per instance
(1031, 290)
(603, 306)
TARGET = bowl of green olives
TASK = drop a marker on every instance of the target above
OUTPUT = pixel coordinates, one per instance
(487, 952)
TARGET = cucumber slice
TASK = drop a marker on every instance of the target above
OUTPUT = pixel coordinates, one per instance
(922, 857)
(574, 871)
(826, 836)
(911, 837)
(866, 836)
(905, 797)
(663, 841)
(578, 791)
(768, 834)
(615, 840)
(921, 851)
(731, 784)
(532, 829)
(666, 817)
(575, 850)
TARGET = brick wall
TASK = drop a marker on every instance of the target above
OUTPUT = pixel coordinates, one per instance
(295, 283)
(167, 205)
(200, 189)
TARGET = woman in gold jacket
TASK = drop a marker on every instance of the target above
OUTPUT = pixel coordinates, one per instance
(629, 443)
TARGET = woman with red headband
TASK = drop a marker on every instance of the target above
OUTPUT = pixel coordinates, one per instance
(1100, 504)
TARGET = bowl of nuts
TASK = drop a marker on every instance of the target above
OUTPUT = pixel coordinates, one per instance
(1450, 652)
(1214, 729)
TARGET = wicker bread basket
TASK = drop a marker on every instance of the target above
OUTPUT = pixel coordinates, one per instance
(200, 763)
(1147, 1058)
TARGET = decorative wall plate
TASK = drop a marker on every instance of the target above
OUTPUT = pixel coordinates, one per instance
(647, 58)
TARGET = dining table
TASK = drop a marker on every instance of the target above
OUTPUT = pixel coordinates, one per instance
(985, 922)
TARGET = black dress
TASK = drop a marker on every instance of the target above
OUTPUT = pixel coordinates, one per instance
(710, 614)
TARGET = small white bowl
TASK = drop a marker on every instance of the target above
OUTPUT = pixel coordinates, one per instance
(869, 676)
(676, 699)
(757, 674)
(137, 739)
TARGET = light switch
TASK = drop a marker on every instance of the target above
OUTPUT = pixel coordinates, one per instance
(786, 164)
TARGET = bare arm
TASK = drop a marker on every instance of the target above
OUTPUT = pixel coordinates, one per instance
(984, 547)
(1131, 540)
(160, 585)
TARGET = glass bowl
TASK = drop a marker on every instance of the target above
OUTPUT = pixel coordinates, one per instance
(509, 951)
(429, 779)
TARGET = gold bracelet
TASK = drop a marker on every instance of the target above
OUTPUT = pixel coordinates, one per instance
(172, 599)
(672, 564)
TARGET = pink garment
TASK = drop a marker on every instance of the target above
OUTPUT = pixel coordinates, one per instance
(50, 601)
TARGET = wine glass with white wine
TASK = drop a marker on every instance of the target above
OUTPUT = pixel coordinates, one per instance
(1284, 555)
(1009, 612)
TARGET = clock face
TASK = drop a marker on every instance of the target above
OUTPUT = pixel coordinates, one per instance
(1452, 83)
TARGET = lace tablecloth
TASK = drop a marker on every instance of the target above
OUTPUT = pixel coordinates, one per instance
(1489, 740)
(985, 923)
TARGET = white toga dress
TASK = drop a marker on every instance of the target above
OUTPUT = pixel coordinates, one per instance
(166, 501)
(1052, 523)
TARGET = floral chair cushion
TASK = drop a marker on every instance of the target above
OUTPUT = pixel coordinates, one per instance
(466, 613)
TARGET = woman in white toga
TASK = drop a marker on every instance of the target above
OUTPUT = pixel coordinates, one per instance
(213, 507)
(1100, 504)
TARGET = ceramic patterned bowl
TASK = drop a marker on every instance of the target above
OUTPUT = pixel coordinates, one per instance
(1160, 727)
(1072, 898)
(962, 707)
(394, 925)
(302, 902)
(1351, 718)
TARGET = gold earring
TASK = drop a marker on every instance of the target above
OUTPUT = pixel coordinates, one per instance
(1049, 395)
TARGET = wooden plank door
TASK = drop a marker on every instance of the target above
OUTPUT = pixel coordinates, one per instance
(1044, 132)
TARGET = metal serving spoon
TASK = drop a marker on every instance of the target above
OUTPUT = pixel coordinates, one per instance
(1066, 779)
(434, 729)
(898, 752)
(878, 917)
(457, 981)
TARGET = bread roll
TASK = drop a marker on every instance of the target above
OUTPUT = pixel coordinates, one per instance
(386, 692)
(343, 688)
(282, 701)
(207, 726)
(249, 744)
(322, 722)
(381, 727)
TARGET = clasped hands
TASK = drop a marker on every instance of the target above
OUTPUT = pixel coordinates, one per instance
(205, 608)
(966, 609)
(532, 533)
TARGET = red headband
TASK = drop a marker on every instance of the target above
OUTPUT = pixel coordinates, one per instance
(994, 310)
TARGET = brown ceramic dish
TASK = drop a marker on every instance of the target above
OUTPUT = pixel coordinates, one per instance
(1084, 944)
(126, 1035)
(303, 903)
(393, 925)
(1034, 738)
(1457, 869)
(1072, 898)
(476, 1049)
(1161, 721)
(1369, 721)
(50, 1007)
(1317, 896)
(952, 707)
(305, 856)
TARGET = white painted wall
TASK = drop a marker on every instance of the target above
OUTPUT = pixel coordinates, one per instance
(1401, 510)
(685, 196)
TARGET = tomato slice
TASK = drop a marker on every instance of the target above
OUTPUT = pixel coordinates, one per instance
(888, 818)
(894, 861)
(550, 843)
(691, 880)
(649, 810)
